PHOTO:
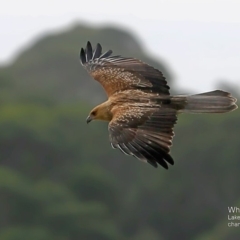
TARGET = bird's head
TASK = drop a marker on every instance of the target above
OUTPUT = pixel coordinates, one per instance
(92, 115)
(101, 112)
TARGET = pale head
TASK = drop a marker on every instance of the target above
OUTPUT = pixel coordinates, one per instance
(100, 112)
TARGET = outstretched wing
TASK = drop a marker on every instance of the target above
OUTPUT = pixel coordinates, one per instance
(116, 73)
(144, 133)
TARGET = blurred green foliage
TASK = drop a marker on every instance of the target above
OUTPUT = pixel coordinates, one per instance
(60, 179)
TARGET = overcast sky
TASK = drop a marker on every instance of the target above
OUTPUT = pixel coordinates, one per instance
(198, 39)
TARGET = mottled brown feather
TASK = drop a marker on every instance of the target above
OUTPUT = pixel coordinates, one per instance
(115, 77)
(145, 133)
(116, 73)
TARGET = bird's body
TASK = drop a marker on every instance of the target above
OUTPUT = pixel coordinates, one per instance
(140, 110)
(128, 99)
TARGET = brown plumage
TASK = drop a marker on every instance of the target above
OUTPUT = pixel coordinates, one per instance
(140, 111)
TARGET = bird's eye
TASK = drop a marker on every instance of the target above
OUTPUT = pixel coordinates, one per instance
(94, 113)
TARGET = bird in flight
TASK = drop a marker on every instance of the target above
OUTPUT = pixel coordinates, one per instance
(140, 110)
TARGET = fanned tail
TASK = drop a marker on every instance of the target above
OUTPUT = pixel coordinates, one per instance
(210, 102)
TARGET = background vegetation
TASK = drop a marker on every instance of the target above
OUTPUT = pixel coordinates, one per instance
(60, 179)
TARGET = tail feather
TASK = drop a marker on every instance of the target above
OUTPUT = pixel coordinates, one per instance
(210, 102)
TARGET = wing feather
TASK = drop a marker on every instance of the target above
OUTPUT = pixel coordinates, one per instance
(97, 52)
(116, 73)
(133, 132)
(89, 52)
(83, 56)
(106, 54)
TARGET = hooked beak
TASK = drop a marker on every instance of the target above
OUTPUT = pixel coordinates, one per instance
(89, 119)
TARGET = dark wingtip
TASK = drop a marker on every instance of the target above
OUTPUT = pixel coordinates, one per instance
(106, 54)
(82, 56)
(162, 163)
(97, 52)
(169, 159)
(152, 163)
(166, 159)
(89, 52)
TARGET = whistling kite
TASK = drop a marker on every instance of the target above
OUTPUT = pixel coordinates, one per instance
(140, 110)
